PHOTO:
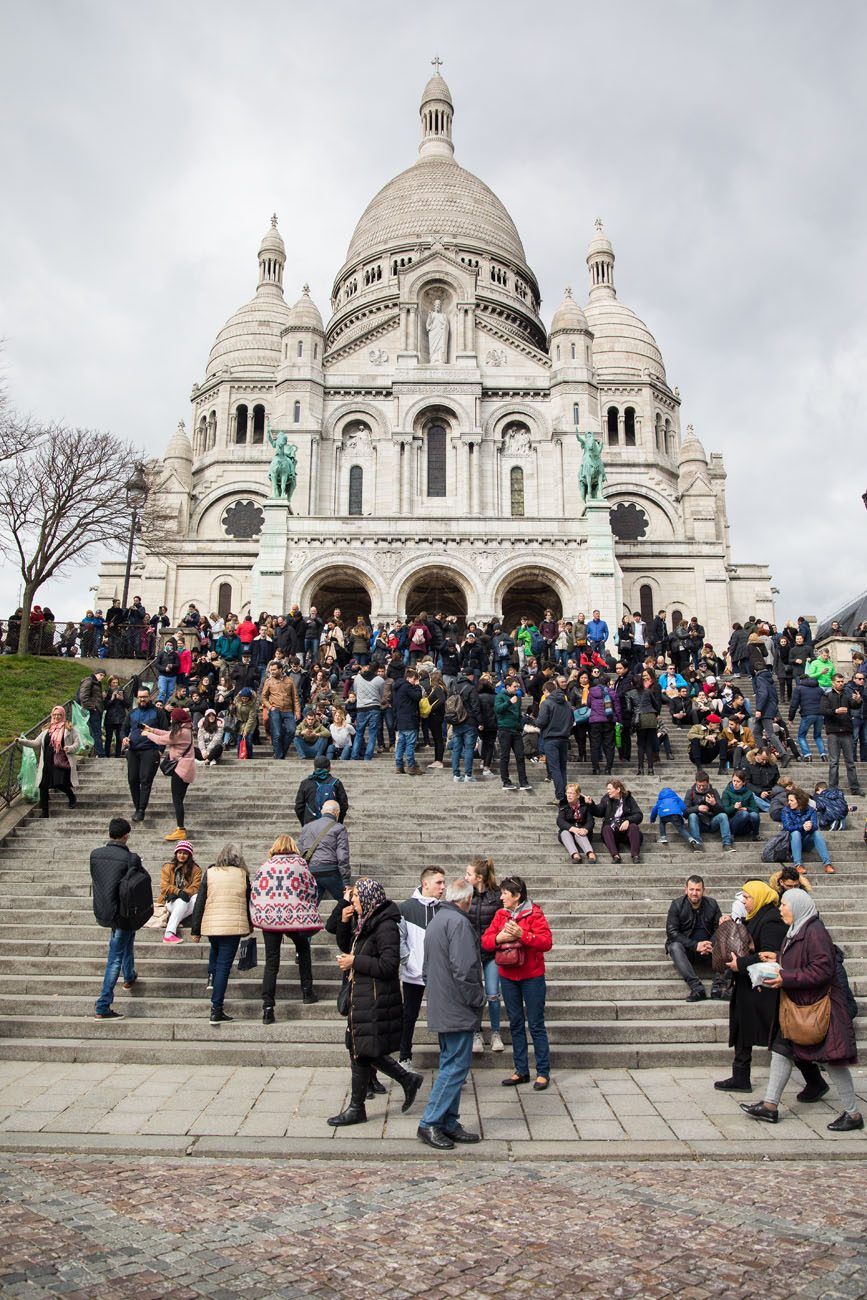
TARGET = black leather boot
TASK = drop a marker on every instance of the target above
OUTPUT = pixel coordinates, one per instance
(352, 1115)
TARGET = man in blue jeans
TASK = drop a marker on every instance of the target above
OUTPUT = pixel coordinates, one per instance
(704, 811)
(555, 720)
(369, 687)
(455, 999)
(407, 720)
(108, 866)
(465, 733)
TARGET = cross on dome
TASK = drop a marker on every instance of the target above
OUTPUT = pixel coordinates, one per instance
(437, 64)
(305, 289)
(567, 292)
(598, 224)
(273, 220)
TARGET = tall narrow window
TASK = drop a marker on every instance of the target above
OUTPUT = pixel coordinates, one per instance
(574, 354)
(645, 601)
(436, 461)
(258, 424)
(300, 349)
(356, 487)
(241, 424)
(613, 436)
(296, 413)
(516, 491)
(629, 426)
(224, 599)
(576, 415)
(668, 442)
(658, 432)
(676, 618)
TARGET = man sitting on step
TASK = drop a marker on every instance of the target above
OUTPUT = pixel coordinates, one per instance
(689, 929)
(704, 812)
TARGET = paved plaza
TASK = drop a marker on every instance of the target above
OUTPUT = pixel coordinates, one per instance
(225, 1110)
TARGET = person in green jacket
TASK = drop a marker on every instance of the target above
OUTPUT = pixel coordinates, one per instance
(510, 723)
(822, 669)
(523, 637)
(740, 806)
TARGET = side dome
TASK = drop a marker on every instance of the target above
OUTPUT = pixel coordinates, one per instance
(249, 342)
(621, 341)
(435, 197)
(569, 317)
(304, 314)
(691, 449)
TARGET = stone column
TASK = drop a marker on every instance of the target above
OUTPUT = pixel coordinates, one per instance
(268, 579)
(313, 493)
(604, 579)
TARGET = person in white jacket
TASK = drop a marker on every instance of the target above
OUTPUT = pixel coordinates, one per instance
(416, 914)
(209, 738)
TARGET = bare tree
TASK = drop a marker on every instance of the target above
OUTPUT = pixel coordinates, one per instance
(17, 433)
(61, 496)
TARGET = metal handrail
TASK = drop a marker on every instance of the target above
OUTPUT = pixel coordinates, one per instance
(9, 784)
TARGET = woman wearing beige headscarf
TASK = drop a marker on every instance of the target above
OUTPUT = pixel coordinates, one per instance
(56, 746)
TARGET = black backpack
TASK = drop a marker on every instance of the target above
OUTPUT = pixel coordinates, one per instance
(135, 899)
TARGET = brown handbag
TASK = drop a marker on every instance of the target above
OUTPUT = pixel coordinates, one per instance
(805, 1026)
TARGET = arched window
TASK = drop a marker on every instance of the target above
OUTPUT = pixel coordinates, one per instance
(668, 437)
(676, 619)
(436, 461)
(356, 488)
(658, 432)
(296, 413)
(629, 426)
(241, 423)
(202, 439)
(576, 414)
(300, 349)
(224, 599)
(645, 601)
(258, 424)
(573, 351)
(212, 430)
(613, 435)
(516, 489)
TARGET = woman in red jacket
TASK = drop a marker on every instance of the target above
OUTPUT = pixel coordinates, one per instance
(518, 936)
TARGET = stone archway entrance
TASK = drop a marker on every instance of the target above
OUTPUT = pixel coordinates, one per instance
(436, 590)
(530, 593)
(341, 589)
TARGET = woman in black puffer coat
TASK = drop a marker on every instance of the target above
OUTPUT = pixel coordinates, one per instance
(369, 939)
(485, 904)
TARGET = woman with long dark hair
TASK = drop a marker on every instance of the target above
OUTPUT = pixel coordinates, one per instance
(484, 906)
(646, 711)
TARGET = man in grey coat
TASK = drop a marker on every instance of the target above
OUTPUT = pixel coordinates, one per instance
(324, 844)
(455, 999)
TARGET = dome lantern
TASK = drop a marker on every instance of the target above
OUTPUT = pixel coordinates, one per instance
(272, 259)
(600, 260)
(436, 112)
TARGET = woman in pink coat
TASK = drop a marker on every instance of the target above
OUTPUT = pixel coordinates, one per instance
(179, 748)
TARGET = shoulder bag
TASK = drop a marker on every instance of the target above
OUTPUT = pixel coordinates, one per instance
(344, 997)
(805, 1026)
(510, 954)
(307, 855)
(168, 765)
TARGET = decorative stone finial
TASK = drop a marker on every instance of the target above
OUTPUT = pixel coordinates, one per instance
(567, 292)
(273, 220)
(305, 289)
(690, 431)
(598, 224)
(182, 428)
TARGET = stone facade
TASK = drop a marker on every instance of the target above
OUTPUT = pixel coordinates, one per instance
(435, 422)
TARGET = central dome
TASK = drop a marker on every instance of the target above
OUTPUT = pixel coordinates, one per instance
(436, 199)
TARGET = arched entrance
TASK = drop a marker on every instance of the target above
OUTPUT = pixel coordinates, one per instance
(436, 591)
(530, 592)
(341, 589)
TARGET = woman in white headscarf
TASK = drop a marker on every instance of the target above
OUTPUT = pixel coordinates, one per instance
(807, 977)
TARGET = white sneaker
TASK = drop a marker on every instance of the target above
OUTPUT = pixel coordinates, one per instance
(457, 779)
(406, 1063)
(486, 771)
(434, 764)
(497, 1044)
(478, 1043)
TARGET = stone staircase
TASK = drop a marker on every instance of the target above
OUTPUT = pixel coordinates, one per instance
(613, 997)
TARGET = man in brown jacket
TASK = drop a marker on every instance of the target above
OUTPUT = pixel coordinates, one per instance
(281, 709)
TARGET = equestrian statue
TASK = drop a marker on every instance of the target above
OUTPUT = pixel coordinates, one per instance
(591, 476)
(283, 470)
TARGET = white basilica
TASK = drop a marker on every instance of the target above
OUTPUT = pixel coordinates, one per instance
(434, 424)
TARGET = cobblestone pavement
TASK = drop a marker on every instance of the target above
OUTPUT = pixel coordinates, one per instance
(282, 1111)
(85, 1226)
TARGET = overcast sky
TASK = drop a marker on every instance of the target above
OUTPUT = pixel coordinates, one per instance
(144, 147)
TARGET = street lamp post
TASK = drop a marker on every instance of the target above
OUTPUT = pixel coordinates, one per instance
(136, 489)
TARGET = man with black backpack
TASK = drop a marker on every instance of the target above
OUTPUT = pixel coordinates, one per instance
(315, 791)
(122, 901)
(464, 715)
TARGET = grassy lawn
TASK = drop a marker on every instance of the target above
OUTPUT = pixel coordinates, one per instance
(30, 686)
